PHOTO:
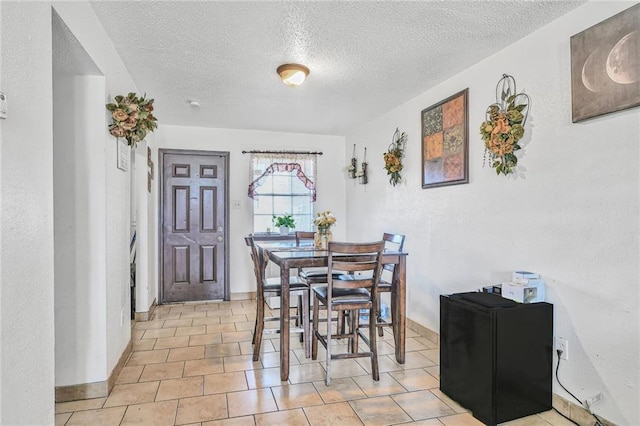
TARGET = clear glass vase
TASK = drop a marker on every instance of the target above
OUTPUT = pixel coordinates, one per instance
(322, 237)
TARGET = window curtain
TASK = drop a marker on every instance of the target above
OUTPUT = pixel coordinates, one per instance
(262, 166)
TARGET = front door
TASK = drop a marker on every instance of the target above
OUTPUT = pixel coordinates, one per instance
(194, 224)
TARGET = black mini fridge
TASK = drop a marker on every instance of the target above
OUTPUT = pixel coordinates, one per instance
(496, 355)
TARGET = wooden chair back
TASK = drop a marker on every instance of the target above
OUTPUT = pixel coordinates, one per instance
(361, 261)
(304, 236)
(259, 264)
(393, 242)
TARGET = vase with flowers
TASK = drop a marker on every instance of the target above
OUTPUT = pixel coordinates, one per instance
(323, 221)
(132, 117)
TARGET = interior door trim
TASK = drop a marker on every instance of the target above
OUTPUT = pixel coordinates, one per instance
(226, 157)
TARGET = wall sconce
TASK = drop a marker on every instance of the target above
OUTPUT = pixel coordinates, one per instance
(353, 167)
(292, 74)
(362, 174)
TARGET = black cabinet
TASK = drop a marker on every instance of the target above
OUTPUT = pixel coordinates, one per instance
(496, 355)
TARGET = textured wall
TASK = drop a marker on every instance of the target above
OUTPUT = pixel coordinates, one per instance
(26, 217)
(571, 215)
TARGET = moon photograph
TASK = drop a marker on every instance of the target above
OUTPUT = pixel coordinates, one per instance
(605, 66)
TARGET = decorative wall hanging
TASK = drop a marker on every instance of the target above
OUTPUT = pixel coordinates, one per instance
(362, 174)
(132, 118)
(504, 126)
(445, 148)
(353, 167)
(393, 157)
(605, 66)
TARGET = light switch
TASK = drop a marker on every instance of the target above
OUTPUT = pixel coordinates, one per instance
(3, 105)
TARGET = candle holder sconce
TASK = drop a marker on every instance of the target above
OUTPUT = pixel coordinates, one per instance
(353, 167)
(362, 174)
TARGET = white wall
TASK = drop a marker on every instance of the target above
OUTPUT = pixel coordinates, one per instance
(330, 182)
(79, 229)
(26, 219)
(572, 215)
(26, 216)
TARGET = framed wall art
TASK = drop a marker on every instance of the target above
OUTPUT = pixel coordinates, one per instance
(445, 142)
(605, 66)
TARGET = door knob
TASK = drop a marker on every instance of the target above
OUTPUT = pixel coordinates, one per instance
(220, 238)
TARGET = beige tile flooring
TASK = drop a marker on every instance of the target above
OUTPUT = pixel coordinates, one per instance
(191, 365)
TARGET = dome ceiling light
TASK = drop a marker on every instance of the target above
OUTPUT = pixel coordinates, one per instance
(293, 74)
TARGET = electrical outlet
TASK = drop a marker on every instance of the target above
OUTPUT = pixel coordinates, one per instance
(596, 399)
(563, 345)
(235, 204)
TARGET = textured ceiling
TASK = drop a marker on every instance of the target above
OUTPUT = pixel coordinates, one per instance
(365, 57)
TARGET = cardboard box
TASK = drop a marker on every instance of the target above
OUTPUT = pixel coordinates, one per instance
(525, 291)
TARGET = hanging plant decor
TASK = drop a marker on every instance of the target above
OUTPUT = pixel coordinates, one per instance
(504, 126)
(132, 118)
(393, 157)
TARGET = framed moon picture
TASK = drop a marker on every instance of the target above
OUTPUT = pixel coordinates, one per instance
(605, 66)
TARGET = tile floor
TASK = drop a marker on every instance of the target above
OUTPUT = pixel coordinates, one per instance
(191, 365)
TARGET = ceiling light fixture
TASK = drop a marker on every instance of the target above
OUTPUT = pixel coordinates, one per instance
(293, 74)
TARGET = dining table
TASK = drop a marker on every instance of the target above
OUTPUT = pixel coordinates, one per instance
(287, 255)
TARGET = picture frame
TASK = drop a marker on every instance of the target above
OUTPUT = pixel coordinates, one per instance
(605, 66)
(445, 141)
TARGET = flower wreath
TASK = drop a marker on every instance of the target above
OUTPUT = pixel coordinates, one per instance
(393, 157)
(132, 117)
(504, 127)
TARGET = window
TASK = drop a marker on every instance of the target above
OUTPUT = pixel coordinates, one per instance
(282, 183)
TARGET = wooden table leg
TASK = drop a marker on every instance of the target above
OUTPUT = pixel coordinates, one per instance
(284, 323)
(399, 305)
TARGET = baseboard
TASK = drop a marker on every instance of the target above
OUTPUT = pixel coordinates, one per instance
(145, 316)
(249, 295)
(576, 412)
(423, 331)
(95, 389)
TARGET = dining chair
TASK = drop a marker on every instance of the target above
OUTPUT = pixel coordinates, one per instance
(353, 292)
(393, 242)
(316, 275)
(272, 287)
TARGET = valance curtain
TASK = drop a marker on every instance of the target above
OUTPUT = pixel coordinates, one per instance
(262, 166)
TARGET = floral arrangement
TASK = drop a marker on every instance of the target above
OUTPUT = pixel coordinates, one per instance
(393, 157)
(324, 221)
(504, 127)
(132, 117)
(286, 220)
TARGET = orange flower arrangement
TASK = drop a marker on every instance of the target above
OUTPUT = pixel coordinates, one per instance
(393, 158)
(504, 127)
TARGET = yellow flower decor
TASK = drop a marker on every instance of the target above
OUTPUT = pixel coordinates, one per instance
(132, 117)
(504, 126)
(324, 221)
(393, 157)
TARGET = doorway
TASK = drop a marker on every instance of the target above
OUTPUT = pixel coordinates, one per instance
(194, 226)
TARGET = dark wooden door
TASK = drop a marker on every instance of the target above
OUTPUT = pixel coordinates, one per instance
(194, 224)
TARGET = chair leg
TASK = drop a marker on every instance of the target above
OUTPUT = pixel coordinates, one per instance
(305, 323)
(373, 344)
(355, 324)
(379, 318)
(299, 316)
(259, 329)
(328, 361)
(314, 334)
